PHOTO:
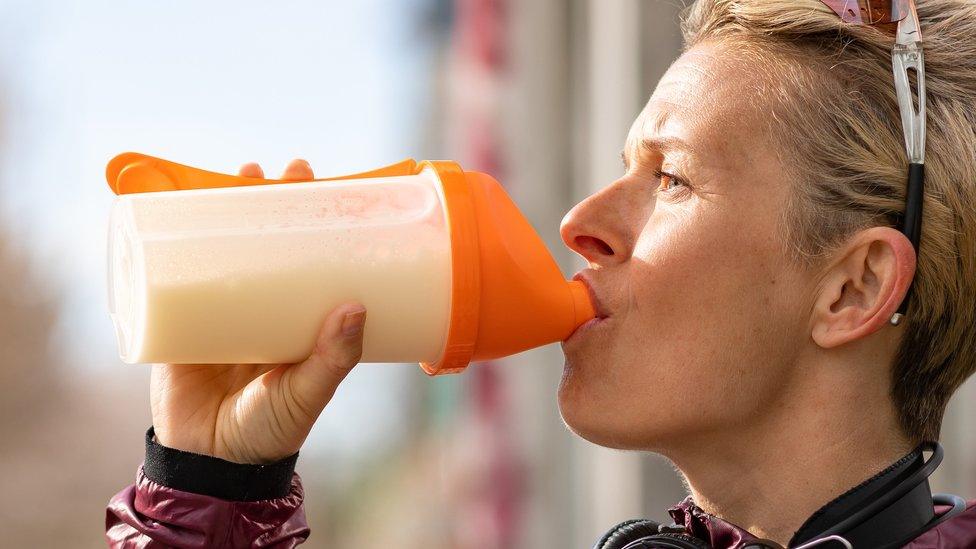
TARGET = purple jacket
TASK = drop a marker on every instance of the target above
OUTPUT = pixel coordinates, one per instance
(187, 500)
(148, 514)
(182, 499)
(958, 532)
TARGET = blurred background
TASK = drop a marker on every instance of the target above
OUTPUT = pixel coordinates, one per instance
(540, 94)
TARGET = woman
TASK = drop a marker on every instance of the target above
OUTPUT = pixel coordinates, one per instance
(746, 267)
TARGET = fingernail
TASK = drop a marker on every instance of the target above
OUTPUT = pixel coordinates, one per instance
(352, 323)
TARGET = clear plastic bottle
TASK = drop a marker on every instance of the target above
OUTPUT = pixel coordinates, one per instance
(247, 274)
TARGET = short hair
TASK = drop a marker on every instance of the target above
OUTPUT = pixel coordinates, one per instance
(828, 92)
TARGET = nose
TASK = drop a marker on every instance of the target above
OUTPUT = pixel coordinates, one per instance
(596, 228)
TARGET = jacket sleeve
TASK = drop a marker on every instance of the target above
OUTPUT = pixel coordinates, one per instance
(187, 500)
(959, 532)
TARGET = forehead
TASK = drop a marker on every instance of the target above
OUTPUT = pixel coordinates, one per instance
(706, 98)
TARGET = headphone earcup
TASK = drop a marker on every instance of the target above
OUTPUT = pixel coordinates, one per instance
(626, 532)
(668, 541)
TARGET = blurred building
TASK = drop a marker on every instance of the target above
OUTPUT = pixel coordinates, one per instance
(542, 94)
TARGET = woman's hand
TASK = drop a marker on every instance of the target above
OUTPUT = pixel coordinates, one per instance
(255, 413)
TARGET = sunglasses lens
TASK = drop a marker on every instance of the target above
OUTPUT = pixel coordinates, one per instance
(869, 12)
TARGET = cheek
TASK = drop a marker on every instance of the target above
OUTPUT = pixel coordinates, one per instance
(698, 272)
(700, 340)
(708, 282)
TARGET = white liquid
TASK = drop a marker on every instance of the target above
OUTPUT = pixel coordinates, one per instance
(212, 293)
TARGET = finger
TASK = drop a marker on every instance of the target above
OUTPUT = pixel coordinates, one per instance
(251, 169)
(338, 349)
(298, 169)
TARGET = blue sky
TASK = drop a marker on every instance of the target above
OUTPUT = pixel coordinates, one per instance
(210, 84)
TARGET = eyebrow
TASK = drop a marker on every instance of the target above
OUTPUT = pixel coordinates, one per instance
(656, 144)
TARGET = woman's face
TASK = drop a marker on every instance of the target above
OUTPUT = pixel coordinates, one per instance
(704, 314)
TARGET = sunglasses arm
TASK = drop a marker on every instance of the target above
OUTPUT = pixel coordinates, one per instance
(907, 56)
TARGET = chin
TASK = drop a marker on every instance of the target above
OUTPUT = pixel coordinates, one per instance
(592, 418)
(601, 435)
(615, 417)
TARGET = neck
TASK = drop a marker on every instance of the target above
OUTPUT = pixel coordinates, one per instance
(806, 447)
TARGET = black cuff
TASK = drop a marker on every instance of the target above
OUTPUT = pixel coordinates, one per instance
(211, 476)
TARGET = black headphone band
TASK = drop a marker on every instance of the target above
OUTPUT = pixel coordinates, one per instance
(890, 497)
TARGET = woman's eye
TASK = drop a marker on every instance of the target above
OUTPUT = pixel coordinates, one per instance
(667, 181)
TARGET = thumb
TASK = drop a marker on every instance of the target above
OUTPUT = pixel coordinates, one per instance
(337, 350)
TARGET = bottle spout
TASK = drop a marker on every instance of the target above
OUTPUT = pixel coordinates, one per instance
(509, 295)
(582, 303)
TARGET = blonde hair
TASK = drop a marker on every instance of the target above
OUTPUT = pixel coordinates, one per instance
(827, 92)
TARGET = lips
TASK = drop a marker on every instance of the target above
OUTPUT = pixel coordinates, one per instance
(598, 306)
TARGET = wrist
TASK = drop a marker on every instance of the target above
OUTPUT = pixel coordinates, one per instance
(209, 475)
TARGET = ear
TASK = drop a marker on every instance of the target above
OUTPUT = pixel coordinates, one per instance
(863, 286)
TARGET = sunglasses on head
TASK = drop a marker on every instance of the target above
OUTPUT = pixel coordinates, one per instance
(870, 12)
(906, 57)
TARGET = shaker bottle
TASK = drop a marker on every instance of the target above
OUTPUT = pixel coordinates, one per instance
(213, 268)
